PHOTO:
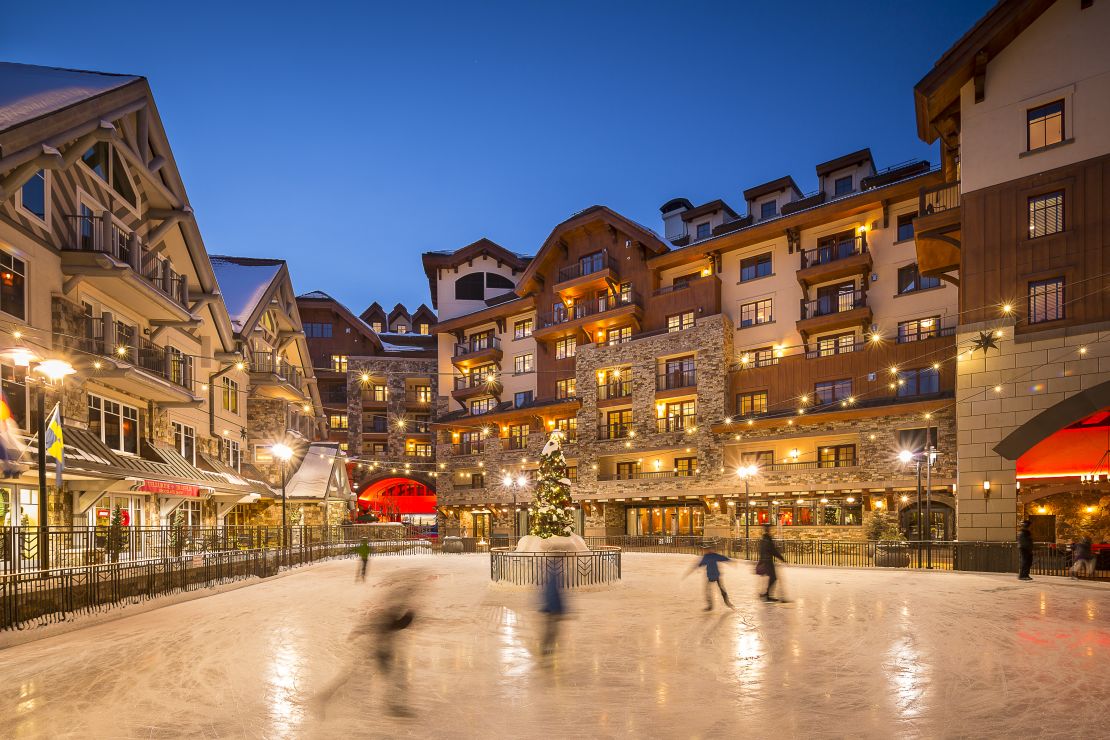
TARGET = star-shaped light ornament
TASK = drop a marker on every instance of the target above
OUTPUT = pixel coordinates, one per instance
(986, 340)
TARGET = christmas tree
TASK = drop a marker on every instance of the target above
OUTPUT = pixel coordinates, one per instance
(551, 511)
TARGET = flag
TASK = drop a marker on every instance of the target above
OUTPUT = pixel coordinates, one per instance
(11, 449)
(54, 444)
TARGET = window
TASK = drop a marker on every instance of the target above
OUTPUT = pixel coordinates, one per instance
(498, 282)
(620, 336)
(523, 363)
(762, 357)
(919, 382)
(685, 466)
(680, 322)
(230, 395)
(231, 453)
(915, 440)
(917, 329)
(566, 388)
(339, 363)
(377, 327)
(755, 267)
(106, 164)
(400, 329)
(13, 286)
(830, 391)
(905, 226)
(842, 185)
(565, 348)
(838, 456)
(628, 470)
(376, 393)
(569, 427)
(420, 449)
(477, 480)
(759, 458)
(181, 367)
(518, 436)
(314, 330)
(910, 280)
(471, 287)
(617, 424)
(424, 328)
(757, 312)
(116, 425)
(185, 441)
(1045, 125)
(522, 329)
(522, 398)
(33, 194)
(1046, 214)
(703, 230)
(96, 159)
(678, 416)
(1046, 300)
(15, 393)
(482, 405)
(337, 421)
(591, 263)
(836, 345)
(670, 520)
(769, 209)
(753, 402)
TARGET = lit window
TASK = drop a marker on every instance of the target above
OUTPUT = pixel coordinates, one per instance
(523, 363)
(566, 388)
(377, 327)
(836, 345)
(565, 348)
(337, 421)
(13, 286)
(1045, 125)
(918, 329)
(339, 363)
(1046, 214)
(115, 424)
(680, 322)
(754, 402)
(424, 328)
(757, 312)
(522, 329)
(230, 395)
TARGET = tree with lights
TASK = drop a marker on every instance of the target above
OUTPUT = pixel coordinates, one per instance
(551, 511)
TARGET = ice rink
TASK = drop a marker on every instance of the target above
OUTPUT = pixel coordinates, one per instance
(855, 653)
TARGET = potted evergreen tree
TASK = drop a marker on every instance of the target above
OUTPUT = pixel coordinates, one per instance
(115, 535)
(890, 545)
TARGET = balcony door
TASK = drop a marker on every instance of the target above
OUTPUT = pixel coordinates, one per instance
(835, 298)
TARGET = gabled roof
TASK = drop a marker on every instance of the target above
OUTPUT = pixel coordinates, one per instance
(373, 311)
(773, 186)
(433, 261)
(246, 284)
(707, 208)
(939, 90)
(345, 313)
(398, 310)
(29, 92)
(530, 279)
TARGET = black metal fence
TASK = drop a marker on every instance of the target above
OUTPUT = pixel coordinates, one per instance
(571, 569)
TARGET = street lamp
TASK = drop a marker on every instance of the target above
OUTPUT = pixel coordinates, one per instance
(929, 455)
(746, 472)
(283, 453)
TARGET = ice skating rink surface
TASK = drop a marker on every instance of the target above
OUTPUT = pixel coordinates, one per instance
(855, 654)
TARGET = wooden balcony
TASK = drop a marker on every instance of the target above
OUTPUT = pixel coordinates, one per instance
(591, 315)
(937, 230)
(588, 276)
(473, 386)
(274, 377)
(829, 313)
(477, 351)
(834, 261)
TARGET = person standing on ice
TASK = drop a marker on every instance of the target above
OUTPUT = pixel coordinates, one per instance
(1025, 551)
(553, 608)
(709, 560)
(363, 552)
(768, 553)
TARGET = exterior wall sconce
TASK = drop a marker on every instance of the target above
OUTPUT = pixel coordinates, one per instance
(987, 488)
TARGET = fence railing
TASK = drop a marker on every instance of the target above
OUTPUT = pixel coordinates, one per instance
(569, 569)
(676, 423)
(832, 304)
(267, 364)
(477, 344)
(589, 307)
(833, 251)
(614, 389)
(614, 431)
(938, 198)
(121, 342)
(672, 379)
(587, 266)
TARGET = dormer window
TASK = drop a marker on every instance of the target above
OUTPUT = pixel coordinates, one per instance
(377, 327)
(769, 209)
(401, 329)
(703, 230)
(105, 163)
(842, 185)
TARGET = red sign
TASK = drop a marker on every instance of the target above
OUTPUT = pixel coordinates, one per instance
(169, 489)
(104, 517)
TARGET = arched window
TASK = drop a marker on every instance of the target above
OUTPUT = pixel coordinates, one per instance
(470, 287)
(493, 280)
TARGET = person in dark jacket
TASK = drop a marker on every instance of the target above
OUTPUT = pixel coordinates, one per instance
(1025, 551)
(768, 553)
(552, 606)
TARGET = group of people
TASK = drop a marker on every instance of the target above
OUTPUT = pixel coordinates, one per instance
(765, 566)
(1083, 554)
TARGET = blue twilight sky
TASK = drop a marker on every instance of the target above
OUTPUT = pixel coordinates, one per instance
(348, 138)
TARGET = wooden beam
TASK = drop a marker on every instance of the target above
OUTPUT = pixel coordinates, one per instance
(980, 75)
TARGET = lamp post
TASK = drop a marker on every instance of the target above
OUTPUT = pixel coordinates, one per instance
(745, 472)
(54, 371)
(283, 452)
(929, 455)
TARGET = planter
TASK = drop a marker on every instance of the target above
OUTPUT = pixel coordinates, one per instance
(892, 555)
(452, 544)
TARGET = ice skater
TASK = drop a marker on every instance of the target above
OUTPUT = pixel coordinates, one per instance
(363, 552)
(768, 554)
(1025, 551)
(1083, 555)
(709, 560)
(553, 607)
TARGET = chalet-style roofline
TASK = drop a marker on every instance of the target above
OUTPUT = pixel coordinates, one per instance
(847, 160)
(939, 91)
(501, 310)
(434, 261)
(530, 280)
(773, 186)
(710, 207)
(363, 328)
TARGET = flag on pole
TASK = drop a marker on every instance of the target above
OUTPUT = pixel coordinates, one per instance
(54, 444)
(11, 449)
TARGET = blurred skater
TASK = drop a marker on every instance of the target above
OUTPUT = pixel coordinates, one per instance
(1083, 557)
(709, 560)
(1025, 551)
(768, 553)
(363, 552)
(553, 607)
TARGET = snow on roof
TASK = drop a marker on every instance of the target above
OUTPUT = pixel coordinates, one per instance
(243, 282)
(319, 474)
(316, 295)
(28, 91)
(391, 347)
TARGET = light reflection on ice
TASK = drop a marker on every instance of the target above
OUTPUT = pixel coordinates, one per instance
(284, 670)
(908, 677)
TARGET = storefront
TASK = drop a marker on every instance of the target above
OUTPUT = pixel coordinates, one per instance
(802, 512)
(19, 505)
(674, 520)
(130, 509)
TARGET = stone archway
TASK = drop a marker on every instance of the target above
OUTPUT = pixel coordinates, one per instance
(1068, 412)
